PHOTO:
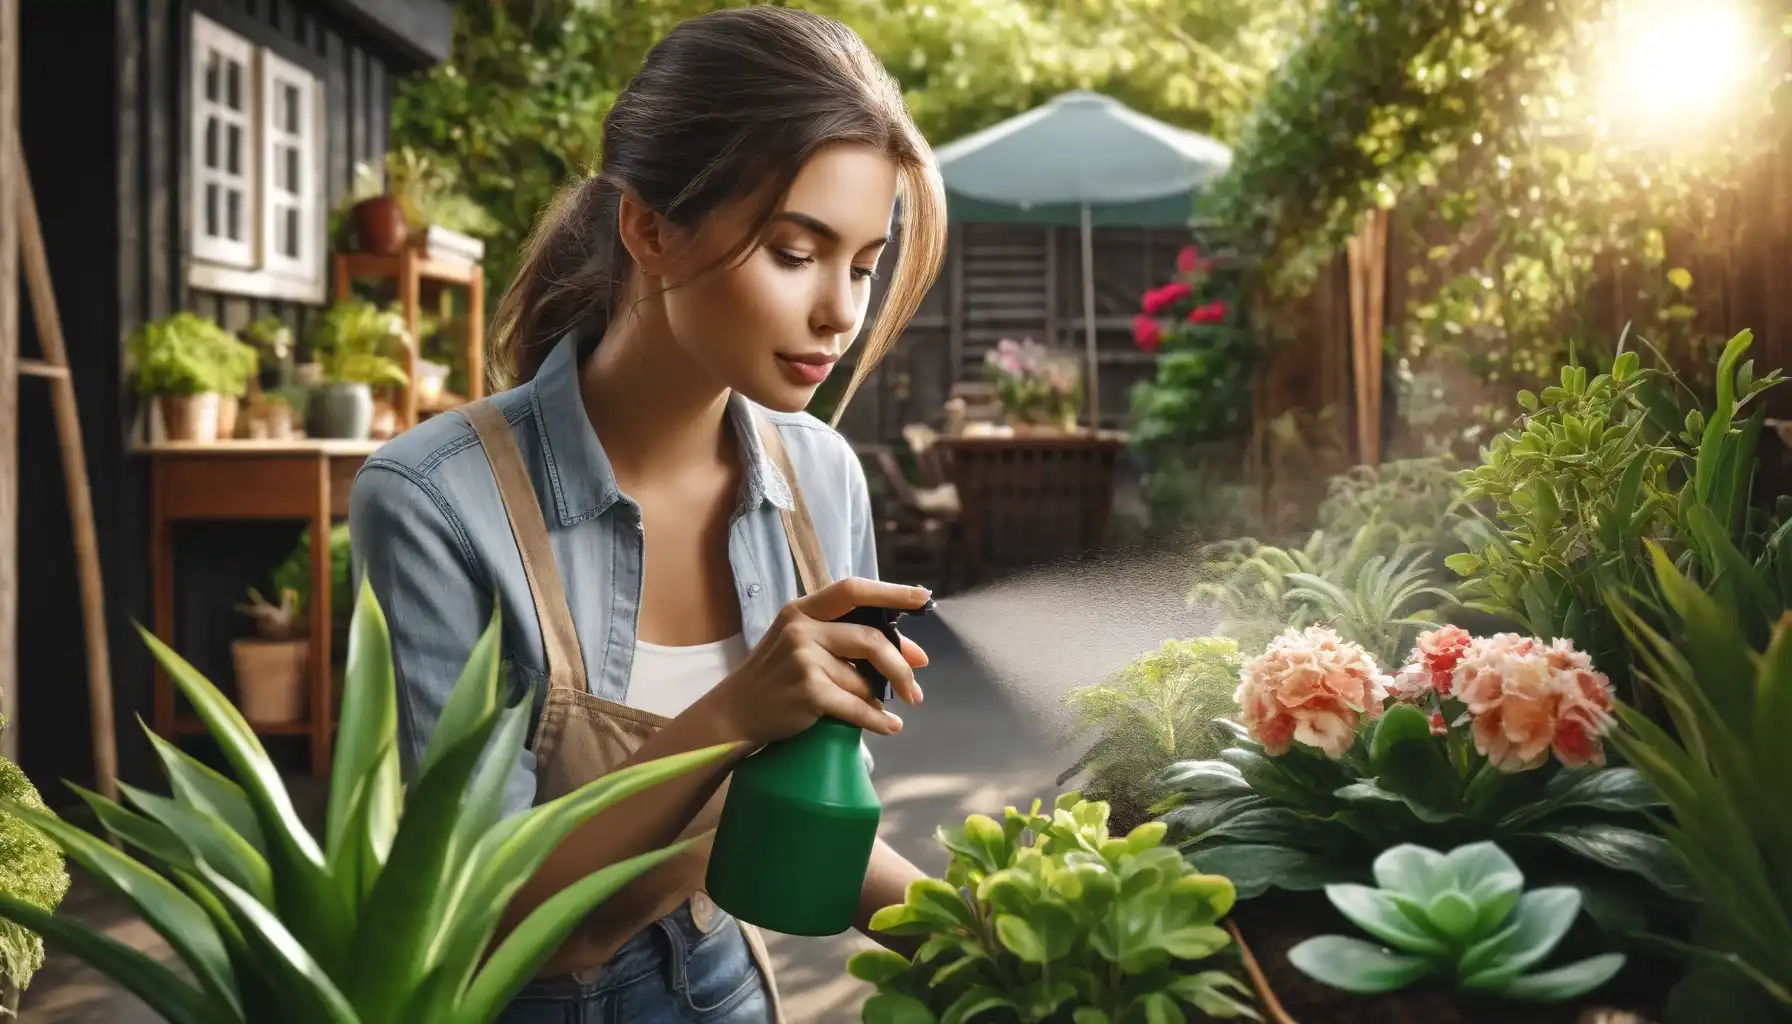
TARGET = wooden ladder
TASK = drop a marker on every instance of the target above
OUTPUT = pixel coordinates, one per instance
(54, 369)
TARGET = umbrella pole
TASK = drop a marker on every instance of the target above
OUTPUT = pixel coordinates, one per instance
(1093, 386)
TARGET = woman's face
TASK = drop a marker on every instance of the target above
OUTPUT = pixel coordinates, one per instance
(773, 325)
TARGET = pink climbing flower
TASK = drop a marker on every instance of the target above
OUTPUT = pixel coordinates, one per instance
(1147, 333)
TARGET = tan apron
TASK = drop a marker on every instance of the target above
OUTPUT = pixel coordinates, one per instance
(581, 737)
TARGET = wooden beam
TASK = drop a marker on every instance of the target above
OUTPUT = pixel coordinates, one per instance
(9, 381)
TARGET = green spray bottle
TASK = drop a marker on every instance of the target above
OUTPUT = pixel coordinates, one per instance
(797, 828)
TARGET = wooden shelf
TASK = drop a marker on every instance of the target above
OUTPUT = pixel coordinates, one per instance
(430, 268)
(236, 449)
(410, 269)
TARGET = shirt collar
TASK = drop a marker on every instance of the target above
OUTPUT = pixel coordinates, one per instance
(579, 473)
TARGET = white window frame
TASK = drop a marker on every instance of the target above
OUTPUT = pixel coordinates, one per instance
(255, 266)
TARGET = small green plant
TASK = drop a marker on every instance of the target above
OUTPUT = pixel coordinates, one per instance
(31, 871)
(1461, 917)
(272, 340)
(428, 191)
(357, 342)
(1419, 498)
(1049, 918)
(188, 354)
(391, 916)
(1152, 713)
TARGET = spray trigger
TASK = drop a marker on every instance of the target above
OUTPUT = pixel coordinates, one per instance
(884, 621)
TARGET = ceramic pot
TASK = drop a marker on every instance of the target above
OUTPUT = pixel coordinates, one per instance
(270, 679)
(342, 410)
(190, 417)
(228, 407)
(379, 226)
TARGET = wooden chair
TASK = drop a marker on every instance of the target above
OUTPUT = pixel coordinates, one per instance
(912, 523)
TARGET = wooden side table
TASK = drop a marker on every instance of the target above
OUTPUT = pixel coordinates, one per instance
(306, 480)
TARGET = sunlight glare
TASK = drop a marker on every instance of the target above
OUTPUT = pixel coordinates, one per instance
(1684, 59)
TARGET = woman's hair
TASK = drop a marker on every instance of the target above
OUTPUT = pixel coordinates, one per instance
(727, 105)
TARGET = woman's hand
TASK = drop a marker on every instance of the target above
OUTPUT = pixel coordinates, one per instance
(799, 670)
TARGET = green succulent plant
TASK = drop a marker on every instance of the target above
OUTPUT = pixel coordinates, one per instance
(1050, 918)
(1462, 917)
(391, 917)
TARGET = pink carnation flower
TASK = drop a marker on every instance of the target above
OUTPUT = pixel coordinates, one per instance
(1528, 698)
(1312, 686)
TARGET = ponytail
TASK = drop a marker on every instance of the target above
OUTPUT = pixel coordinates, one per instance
(571, 275)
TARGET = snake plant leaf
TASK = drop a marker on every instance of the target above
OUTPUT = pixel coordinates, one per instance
(365, 754)
(161, 989)
(523, 952)
(1357, 966)
(175, 917)
(205, 790)
(306, 992)
(307, 899)
(524, 841)
(209, 840)
(353, 855)
(145, 834)
(387, 963)
(473, 699)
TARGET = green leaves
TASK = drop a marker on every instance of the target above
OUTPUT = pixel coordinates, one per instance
(391, 920)
(1054, 915)
(1458, 915)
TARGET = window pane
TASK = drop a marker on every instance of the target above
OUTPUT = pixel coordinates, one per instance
(289, 108)
(233, 85)
(211, 209)
(292, 169)
(211, 143)
(233, 217)
(211, 75)
(233, 162)
(291, 223)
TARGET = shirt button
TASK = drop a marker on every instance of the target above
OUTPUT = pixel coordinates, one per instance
(753, 590)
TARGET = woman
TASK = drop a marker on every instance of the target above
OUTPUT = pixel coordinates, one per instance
(635, 501)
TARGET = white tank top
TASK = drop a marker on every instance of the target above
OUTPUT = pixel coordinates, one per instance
(667, 680)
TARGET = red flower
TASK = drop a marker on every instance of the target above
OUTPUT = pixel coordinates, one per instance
(1209, 313)
(1159, 299)
(1188, 261)
(1438, 728)
(1147, 333)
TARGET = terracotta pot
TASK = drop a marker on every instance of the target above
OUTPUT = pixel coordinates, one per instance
(270, 679)
(228, 407)
(379, 225)
(190, 417)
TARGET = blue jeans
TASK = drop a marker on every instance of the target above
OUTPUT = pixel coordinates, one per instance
(671, 972)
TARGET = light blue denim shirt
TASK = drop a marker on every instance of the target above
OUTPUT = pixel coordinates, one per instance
(430, 532)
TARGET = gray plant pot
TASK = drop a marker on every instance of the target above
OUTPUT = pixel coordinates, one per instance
(341, 411)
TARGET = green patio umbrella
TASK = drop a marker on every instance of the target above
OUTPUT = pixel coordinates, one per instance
(1083, 159)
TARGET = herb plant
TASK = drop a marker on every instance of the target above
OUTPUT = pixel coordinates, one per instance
(388, 918)
(1050, 918)
(1461, 917)
(188, 354)
(359, 343)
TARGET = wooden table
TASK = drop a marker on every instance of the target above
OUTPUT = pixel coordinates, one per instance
(1030, 498)
(239, 480)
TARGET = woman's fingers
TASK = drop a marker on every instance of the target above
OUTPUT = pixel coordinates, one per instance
(912, 652)
(851, 641)
(842, 596)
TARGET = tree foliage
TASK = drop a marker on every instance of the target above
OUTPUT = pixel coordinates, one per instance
(518, 108)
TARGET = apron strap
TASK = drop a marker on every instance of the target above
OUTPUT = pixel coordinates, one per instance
(559, 637)
(799, 529)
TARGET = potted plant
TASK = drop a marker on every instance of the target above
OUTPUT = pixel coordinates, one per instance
(357, 346)
(388, 916)
(272, 341)
(1049, 917)
(270, 667)
(375, 212)
(1040, 388)
(186, 362)
(32, 873)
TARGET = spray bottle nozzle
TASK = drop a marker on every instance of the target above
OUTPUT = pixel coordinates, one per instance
(884, 621)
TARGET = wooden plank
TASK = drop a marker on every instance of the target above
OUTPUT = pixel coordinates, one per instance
(341, 162)
(166, 178)
(9, 384)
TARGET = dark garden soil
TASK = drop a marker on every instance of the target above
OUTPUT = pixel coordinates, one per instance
(1275, 922)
